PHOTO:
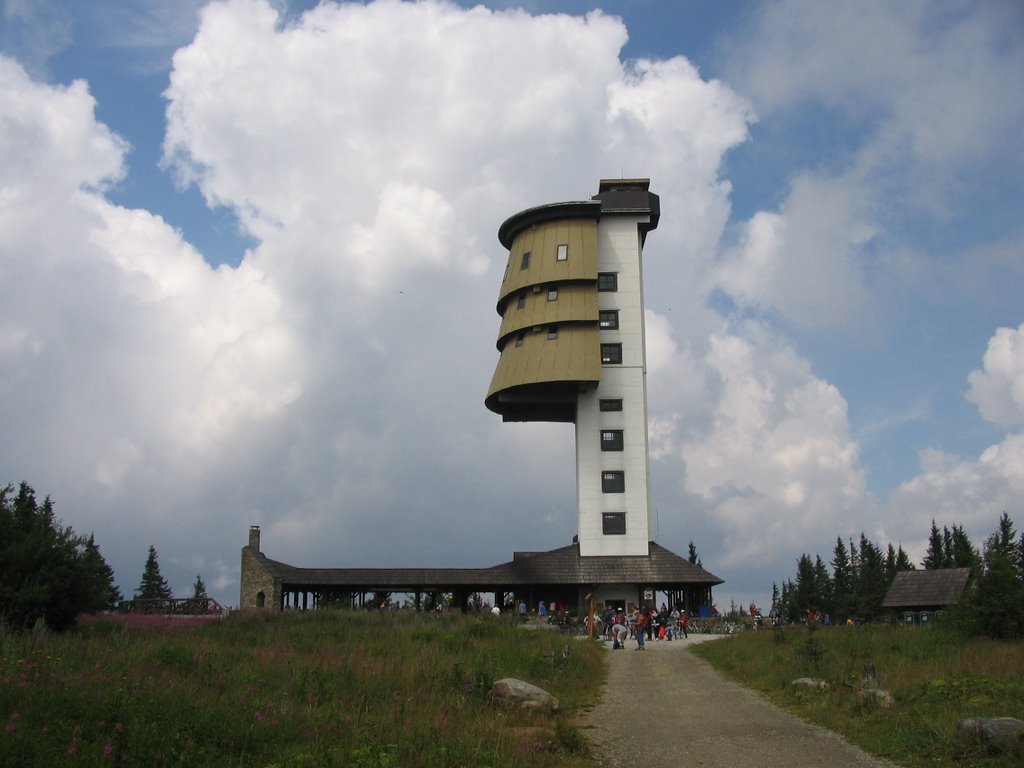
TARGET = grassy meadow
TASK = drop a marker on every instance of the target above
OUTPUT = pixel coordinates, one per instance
(297, 690)
(935, 676)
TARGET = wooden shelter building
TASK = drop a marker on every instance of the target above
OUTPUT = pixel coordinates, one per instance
(559, 576)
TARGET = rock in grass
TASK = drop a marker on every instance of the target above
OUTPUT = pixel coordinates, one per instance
(809, 684)
(876, 696)
(509, 690)
(1001, 732)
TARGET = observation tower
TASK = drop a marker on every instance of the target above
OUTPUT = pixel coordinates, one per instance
(571, 346)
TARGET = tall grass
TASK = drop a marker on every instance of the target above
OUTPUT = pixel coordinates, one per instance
(935, 676)
(294, 690)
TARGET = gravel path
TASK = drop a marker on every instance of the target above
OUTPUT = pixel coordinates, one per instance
(665, 701)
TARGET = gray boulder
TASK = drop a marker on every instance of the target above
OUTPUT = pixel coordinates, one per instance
(509, 690)
(877, 696)
(1002, 732)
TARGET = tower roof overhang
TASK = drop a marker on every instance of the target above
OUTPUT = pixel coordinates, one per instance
(513, 225)
(614, 196)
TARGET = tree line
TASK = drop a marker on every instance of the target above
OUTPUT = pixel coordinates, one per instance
(50, 574)
(854, 582)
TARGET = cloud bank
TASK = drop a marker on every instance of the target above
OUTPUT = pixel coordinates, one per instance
(330, 387)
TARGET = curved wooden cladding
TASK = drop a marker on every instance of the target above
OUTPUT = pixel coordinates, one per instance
(575, 356)
(541, 242)
(576, 303)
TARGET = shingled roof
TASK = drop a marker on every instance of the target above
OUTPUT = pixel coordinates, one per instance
(566, 566)
(933, 588)
(558, 566)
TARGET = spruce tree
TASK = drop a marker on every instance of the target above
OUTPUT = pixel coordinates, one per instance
(842, 581)
(963, 553)
(872, 583)
(108, 595)
(153, 586)
(693, 557)
(996, 603)
(48, 573)
(934, 556)
(903, 560)
(199, 589)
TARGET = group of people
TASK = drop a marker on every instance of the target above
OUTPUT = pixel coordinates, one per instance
(643, 625)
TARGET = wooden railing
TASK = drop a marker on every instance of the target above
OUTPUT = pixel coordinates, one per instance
(178, 606)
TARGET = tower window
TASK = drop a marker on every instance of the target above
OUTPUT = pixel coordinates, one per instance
(613, 523)
(563, 252)
(522, 301)
(611, 354)
(519, 339)
(552, 294)
(611, 439)
(525, 263)
(553, 332)
(613, 481)
(607, 281)
(610, 404)
(608, 319)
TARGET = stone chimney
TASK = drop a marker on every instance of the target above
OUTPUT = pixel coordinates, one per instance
(254, 538)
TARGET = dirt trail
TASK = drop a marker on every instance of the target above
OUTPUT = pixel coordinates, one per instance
(664, 702)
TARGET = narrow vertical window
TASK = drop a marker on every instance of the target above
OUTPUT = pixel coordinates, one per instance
(553, 332)
(525, 263)
(563, 252)
(553, 294)
(521, 301)
(519, 339)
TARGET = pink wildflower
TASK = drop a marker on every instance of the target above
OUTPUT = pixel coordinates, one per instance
(108, 748)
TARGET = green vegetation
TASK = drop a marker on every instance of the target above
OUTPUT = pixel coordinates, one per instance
(153, 585)
(48, 573)
(293, 690)
(936, 677)
(861, 574)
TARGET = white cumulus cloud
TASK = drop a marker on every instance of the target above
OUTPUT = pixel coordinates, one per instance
(998, 388)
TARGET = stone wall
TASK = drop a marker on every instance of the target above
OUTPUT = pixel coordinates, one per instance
(259, 588)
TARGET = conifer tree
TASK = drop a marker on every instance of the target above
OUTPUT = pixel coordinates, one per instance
(996, 603)
(842, 580)
(871, 580)
(693, 557)
(903, 560)
(153, 586)
(47, 572)
(934, 556)
(107, 591)
(963, 553)
(199, 589)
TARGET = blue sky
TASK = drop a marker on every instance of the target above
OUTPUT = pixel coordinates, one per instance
(248, 260)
